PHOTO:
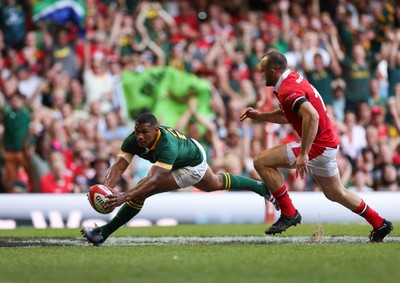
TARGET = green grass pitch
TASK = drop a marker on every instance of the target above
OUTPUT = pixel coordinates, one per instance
(201, 253)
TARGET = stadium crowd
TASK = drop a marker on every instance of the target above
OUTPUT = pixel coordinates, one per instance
(64, 114)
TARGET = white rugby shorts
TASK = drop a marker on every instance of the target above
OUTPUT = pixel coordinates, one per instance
(188, 176)
(323, 165)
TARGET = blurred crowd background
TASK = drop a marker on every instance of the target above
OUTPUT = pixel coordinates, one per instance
(64, 107)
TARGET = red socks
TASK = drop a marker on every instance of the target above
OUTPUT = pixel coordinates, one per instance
(287, 208)
(369, 214)
(284, 201)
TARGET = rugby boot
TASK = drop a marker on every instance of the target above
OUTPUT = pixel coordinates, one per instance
(283, 223)
(93, 235)
(379, 234)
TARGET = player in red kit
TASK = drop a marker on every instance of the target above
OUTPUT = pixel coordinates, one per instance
(302, 106)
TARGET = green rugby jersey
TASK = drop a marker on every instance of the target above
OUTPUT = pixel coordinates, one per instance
(171, 150)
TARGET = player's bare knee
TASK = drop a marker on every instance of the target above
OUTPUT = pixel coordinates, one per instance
(211, 184)
(258, 163)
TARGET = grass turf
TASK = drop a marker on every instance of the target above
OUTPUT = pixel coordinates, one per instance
(203, 263)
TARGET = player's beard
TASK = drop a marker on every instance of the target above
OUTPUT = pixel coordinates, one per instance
(269, 81)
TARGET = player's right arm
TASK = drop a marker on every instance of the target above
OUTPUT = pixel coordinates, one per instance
(274, 116)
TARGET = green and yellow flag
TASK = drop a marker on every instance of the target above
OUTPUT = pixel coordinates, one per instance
(165, 92)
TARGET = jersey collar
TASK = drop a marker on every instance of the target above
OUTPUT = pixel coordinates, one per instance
(153, 147)
(283, 76)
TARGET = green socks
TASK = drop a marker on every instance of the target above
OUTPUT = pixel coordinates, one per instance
(125, 213)
(234, 182)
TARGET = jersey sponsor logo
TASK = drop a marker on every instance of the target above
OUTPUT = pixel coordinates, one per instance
(290, 96)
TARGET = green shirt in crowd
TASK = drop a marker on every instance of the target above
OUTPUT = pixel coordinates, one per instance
(322, 81)
(16, 126)
(357, 78)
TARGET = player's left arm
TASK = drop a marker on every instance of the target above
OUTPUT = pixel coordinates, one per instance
(309, 128)
(116, 171)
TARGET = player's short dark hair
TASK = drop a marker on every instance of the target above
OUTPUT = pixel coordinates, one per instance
(147, 118)
(276, 60)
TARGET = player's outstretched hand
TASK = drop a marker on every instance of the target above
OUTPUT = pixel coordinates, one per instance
(250, 113)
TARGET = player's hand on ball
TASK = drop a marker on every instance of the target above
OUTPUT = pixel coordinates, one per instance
(97, 196)
(115, 200)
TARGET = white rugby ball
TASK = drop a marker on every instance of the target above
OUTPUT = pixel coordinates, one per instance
(97, 198)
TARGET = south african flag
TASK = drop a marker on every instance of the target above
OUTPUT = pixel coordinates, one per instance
(60, 11)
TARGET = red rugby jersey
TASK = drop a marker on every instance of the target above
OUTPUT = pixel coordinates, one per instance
(289, 90)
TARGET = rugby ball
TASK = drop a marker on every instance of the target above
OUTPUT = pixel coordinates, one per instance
(97, 197)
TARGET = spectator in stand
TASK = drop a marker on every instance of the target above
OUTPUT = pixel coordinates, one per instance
(384, 157)
(59, 179)
(378, 121)
(32, 54)
(396, 154)
(394, 62)
(58, 100)
(178, 58)
(353, 140)
(76, 95)
(321, 79)
(114, 130)
(98, 83)
(28, 83)
(321, 76)
(203, 43)
(36, 150)
(372, 138)
(9, 86)
(62, 51)
(16, 121)
(390, 179)
(364, 114)
(127, 36)
(187, 20)
(310, 48)
(366, 163)
(346, 26)
(12, 23)
(118, 98)
(86, 130)
(158, 23)
(100, 164)
(222, 26)
(57, 136)
(359, 185)
(294, 55)
(375, 97)
(339, 101)
(394, 108)
(357, 72)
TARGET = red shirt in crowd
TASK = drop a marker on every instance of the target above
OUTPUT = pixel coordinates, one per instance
(50, 186)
